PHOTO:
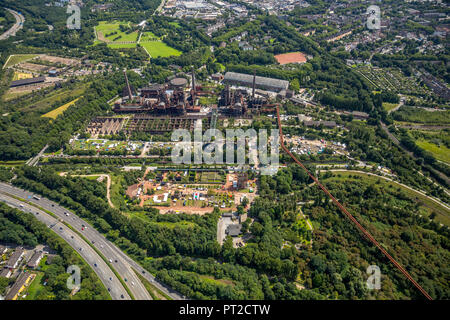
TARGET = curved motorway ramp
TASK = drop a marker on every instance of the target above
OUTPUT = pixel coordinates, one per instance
(106, 276)
(16, 27)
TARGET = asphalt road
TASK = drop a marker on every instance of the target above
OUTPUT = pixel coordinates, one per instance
(105, 274)
(33, 161)
(16, 27)
(119, 260)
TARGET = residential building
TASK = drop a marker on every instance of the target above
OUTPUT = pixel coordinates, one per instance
(15, 258)
(19, 286)
(35, 259)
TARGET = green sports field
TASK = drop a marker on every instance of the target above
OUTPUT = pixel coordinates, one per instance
(160, 49)
(110, 32)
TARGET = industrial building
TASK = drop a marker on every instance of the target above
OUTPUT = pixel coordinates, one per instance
(160, 99)
(25, 82)
(246, 80)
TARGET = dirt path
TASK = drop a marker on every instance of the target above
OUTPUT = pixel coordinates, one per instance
(187, 210)
(103, 176)
(402, 102)
(101, 37)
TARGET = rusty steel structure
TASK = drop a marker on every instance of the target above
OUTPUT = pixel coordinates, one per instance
(158, 125)
(130, 94)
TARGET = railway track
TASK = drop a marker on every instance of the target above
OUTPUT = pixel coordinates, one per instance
(349, 215)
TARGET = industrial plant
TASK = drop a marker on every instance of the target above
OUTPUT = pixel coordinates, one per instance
(175, 104)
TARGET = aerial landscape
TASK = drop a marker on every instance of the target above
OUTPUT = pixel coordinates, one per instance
(228, 150)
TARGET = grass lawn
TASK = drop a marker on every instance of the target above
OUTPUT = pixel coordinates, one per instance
(54, 97)
(213, 280)
(55, 113)
(152, 290)
(115, 191)
(160, 49)
(441, 153)
(104, 29)
(91, 177)
(18, 58)
(12, 95)
(122, 45)
(12, 163)
(389, 106)
(149, 36)
(427, 206)
(208, 100)
(35, 287)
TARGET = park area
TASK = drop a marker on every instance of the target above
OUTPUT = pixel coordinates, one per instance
(117, 31)
(159, 49)
(203, 191)
(121, 35)
(104, 145)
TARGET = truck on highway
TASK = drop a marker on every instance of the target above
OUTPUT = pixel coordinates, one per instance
(36, 197)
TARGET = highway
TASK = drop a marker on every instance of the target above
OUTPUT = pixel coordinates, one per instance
(119, 260)
(16, 27)
(105, 274)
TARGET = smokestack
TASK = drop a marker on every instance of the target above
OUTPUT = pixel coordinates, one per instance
(193, 79)
(227, 94)
(254, 83)
(130, 95)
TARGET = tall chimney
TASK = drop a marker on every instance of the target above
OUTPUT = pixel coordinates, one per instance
(254, 83)
(130, 95)
(193, 79)
(227, 95)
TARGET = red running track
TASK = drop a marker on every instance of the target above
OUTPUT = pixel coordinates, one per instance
(344, 210)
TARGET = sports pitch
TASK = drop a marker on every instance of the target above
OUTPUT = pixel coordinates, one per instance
(159, 49)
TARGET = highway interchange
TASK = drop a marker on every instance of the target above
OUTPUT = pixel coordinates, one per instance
(121, 263)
